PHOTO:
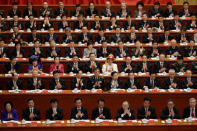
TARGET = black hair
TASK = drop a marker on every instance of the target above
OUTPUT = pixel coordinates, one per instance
(140, 3)
(101, 100)
(30, 99)
(54, 100)
(114, 72)
(147, 99)
(8, 102)
(76, 99)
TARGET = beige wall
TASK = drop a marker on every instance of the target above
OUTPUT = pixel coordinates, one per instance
(180, 2)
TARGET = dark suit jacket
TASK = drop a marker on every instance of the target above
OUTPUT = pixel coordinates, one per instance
(7, 67)
(73, 13)
(28, 25)
(100, 52)
(89, 13)
(77, 24)
(150, 86)
(194, 67)
(26, 113)
(11, 13)
(156, 24)
(61, 25)
(17, 37)
(49, 51)
(32, 52)
(14, 53)
(182, 12)
(71, 68)
(57, 12)
(142, 23)
(19, 24)
(31, 38)
(186, 112)
(74, 82)
(128, 84)
(185, 82)
(88, 68)
(92, 80)
(146, 40)
(5, 52)
(153, 12)
(187, 51)
(93, 25)
(106, 113)
(58, 116)
(74, 112)
(114, 38)
(140, 67)
(120, 12)
(110, 82)
(104, 13)
(170, 50)
(177, 67)
(81, 37)
(167, 12)
(18, 83)
(98, 38)
(125, 117)
(32, 87)
(165, 112)
(47, 26)
(109, 25)
(158, 66)
(141, 113)
(53, 84)
(47, 38)
(26, 12)
(172, 24)
(68, 41)
(167, 82)
(162, 38)
(128, 38)
(178, 37)
(124, 65)
(117, 52)
(68, 51)
(150, 52)
(189, 26)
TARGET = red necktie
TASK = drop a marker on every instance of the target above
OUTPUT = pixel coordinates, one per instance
(192, 114)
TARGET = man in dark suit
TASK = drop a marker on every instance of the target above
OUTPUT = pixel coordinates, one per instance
(146, 111)
(35, 82)
(104, 50)
(14, 11)
(71, 50)
(64, 24)
(151, 82)
(75, 65)
(30, 10)
(121, 51)
(97, 24)
(155, 11)
(78, 82)
(53, 51)
(166, 37)
(101, 112)
(176, 23)
(12, 67)
(57, 82)
(189, 82)
(14, 83)
(31, 24)
(132, 82)
(15, 22)
(77, 11)
(45, 11)
(144, 23)
(161, 65)
(183, 36)
(85, 36)
(68, 37)
(123, 12)
(4, 52)
(51, 36)
(31, 113)
(117, 36)
(101, 36)
(80, 22)
(149, 37)
(114, 82)
(96, 81)
(169, 11)
(180, 66)
(186, 11)
(191, 110)
(107, 12)
(92, 64)
(36, 50)
(34, 36)
(127, 66)
(91, 11)
(61, 11)
(173, 50)
(171, 81)
(125, 113)
(16, 36)
(160, 24)
(194, 67)
(170, 111)
(79, 112)
(54, 112)
(144, 66)
(155, 51)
